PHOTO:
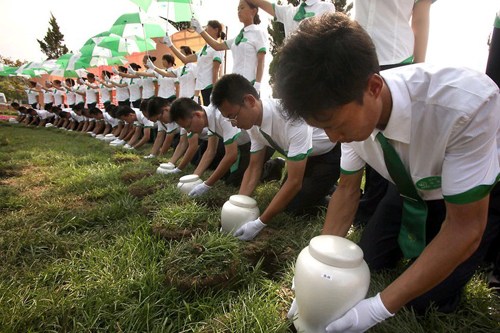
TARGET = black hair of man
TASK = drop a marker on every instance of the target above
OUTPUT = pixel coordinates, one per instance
(22, 109)
(155, 106)
(232, 88)
(94, 111)
(15, 105)
(325, 64)
(144, 105)
(183, 108)
(123, 110)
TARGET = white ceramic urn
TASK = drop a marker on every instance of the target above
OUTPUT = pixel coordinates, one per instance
(188, 182)
(238, 210)
(330, 278)
(165, 168)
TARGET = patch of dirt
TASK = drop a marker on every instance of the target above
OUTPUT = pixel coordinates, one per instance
(131, 176)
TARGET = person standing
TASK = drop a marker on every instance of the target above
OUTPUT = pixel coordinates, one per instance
(248, 48)
(208, 60)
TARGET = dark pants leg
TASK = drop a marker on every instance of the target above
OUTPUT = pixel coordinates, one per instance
(91, 105)
(321, 173)
(381, 250)
(137, 103)
(205, 94)
(234, 178)
(375, 188)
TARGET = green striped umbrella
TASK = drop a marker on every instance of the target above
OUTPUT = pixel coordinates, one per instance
(8, 70)
(145, 4)
(87, 62)
(31, 69)
(122, 45)
(69, 66)
(91, 48)
(137, 25)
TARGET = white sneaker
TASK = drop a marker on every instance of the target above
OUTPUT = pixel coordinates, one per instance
(149, 156)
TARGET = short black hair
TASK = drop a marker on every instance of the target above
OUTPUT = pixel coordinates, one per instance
(155, 106)
(123, 110)
(15, 105)
(22, 109)
(169, 58)
(232, 88)
(325, 64)
(111, 110)
(183, 108)
(144, 105)
(94, 111)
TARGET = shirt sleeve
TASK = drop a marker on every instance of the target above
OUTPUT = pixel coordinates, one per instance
(218, 56)
(281, 12)
(229, 43)
(260, 43)
(257, 144)
(300, 142)
(350, 161)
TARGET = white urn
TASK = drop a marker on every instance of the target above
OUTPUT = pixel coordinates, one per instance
(188, 182)
(238, 210)
(330, 278)
(165, 168)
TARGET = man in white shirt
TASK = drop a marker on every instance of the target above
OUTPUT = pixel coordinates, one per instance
(92, 91)
(442, 124)
(235, 142)
(312, 160)
(290, 15)
(142, 125)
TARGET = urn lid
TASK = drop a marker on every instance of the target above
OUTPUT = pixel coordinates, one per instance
(336, 251)
(109, 135)
(242, 201)
(189, 179)
(168, 166)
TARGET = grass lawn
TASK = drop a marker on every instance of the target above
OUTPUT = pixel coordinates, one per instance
(92, 240)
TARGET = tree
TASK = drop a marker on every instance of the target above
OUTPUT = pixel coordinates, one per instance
(277, 32)
(13, 87)
(52, 45)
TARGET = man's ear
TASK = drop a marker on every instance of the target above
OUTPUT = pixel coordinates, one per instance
(249, 100)
(374, 86)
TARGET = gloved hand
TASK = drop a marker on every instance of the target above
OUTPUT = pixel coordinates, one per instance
(130, 70)
(176, 170)
(80, 81)
(199, 189)
(256, 85)
(167, 41)
(127, 146)
(114, 70)
(150, 64)
(150, 156)
(196, 99)
(361, 317)
(249, 230)
(196, 25)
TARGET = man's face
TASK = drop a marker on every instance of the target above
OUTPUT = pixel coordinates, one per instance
(242, 116)
(195, 124)
(129, 118)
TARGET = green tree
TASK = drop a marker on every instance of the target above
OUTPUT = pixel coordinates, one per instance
(12, 87)
(276, 32)
(51, 44)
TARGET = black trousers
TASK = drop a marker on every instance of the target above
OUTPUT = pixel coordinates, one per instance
(234, 178)
(124, 103)
(136, 103)
(205, 94)
(321, 173)
(381, 249)
(91, 105)
(202, 147)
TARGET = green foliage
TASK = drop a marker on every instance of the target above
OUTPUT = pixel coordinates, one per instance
(52, 44)
(13, 87)
(78, 254)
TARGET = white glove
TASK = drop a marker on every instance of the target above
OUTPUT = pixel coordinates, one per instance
(199, 189)
(196, 25)
(114, 70)
(81, 81)
(249, 230)
(127, 146)
(107, 79)
(256, 85)
(176, 170)
(196, 99)
(150, 156)
(361, 317)
(130, 70)
(167, 41)
(150, 64)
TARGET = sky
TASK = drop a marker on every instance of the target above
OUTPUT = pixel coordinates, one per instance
(458, 35)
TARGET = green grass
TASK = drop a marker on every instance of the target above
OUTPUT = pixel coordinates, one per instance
(79, 250)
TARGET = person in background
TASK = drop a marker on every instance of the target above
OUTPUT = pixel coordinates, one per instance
(33, 91)
(121, 84)
(312, 160)
(166, 78)
(142, 126)
(248, 48)
(390, 119)
(231, 158)
(70, 94)
(59, 93)
(105, 88)
(48, 97)
(208, 60)
(135, 88)
(290, 15)
(92, 91)
(400, 32)
(79, 91)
